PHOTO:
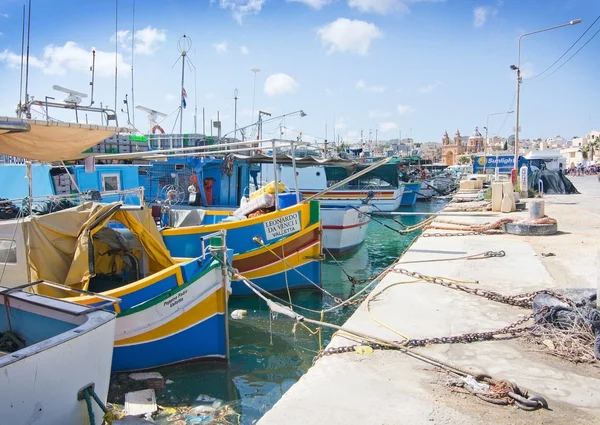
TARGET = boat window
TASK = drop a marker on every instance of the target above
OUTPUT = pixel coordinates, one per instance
(111, 182)
(8, 251)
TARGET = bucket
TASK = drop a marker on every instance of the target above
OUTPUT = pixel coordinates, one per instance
(287, 200)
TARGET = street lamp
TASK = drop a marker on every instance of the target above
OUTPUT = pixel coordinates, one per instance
(255, 70)
(518, 69)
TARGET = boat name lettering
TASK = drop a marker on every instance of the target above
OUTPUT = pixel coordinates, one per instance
(282, 226)
(175, 299)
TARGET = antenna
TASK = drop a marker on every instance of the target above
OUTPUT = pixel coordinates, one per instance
(27, 111)
(152, 116)
(74, 98)
(116, 49)
(132, 54)
(183, 45)
(20, 108)
(93, 71)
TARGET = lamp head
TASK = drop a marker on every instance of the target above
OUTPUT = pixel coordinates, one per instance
(575, 21)
(302, 114)
(514, 67)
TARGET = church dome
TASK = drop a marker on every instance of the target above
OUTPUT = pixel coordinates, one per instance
(476, 134)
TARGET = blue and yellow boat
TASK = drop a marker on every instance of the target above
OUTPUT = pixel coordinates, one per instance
(279, 250)
(172, 309)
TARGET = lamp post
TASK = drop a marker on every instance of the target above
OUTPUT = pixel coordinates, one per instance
(487, 125)
(255, 70)
(518, 69)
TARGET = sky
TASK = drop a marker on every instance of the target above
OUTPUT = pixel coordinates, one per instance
(387, 67)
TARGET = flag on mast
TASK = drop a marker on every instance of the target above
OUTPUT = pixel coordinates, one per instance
(183, 97)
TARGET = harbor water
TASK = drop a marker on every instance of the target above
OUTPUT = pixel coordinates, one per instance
(268, 354)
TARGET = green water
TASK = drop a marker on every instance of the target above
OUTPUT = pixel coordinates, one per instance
(266, 357)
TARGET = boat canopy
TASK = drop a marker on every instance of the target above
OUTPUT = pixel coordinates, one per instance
(63, 247)
(307, 161)
(49, 141)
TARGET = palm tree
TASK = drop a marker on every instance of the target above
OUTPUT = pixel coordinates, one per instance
(594, 146)
(585, 150)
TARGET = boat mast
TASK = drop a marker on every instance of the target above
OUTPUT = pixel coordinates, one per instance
(184, 44)
(27, 112)
(20, 108)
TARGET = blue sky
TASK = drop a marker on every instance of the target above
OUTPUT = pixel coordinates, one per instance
(416, 66)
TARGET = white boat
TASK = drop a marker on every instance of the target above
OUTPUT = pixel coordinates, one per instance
(63, 349)
(379, 187)
(344, 228)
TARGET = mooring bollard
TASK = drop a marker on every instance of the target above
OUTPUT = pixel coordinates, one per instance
(536, 209)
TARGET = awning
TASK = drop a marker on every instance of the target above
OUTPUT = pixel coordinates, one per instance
(49, 141)
(261, 158)
(59, 244)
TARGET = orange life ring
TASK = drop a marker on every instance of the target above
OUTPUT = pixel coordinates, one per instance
(159, 128)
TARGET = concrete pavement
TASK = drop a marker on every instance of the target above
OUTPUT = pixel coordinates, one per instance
(388, 387)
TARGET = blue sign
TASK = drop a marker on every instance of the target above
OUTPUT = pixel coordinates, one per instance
(505, 163)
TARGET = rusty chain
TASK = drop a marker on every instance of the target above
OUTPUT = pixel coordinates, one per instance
(520, 300)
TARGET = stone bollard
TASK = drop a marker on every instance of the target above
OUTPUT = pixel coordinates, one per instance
(536, 209)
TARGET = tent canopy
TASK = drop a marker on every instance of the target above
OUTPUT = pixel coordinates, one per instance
(49, 141)
(61, 246)
(554, 182)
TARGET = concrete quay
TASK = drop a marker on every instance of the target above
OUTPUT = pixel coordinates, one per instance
(388, 387)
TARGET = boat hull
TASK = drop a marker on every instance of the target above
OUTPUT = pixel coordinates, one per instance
(381, 200)
(345, 228)
(40, 383)
(262, 251)
(410, 195)
(183, 306)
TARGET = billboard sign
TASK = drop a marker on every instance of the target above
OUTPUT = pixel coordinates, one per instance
(505, 163)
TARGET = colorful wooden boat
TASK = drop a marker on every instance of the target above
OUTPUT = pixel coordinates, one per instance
(277, 250)
(171, 310)
(410, 195)
(344, 228)
(64, 348)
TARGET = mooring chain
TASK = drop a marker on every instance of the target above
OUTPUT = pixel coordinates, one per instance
(520, 300)
(470, 233)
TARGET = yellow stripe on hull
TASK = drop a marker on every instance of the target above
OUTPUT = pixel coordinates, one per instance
(208, 307)
(295, 260)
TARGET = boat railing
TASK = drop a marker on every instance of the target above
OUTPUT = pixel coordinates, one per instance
(109, 301)
(206, 249)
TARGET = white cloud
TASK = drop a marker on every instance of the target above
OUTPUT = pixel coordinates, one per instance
(315, 4)
(345, 35)
(404, 109)
(210, 96)
(527, 70)
(170, 97)
(378, 6)
(57, 60)
(379, 114)
(278, 84)
(3, 15)
(72, 57)
(481, 15)
(430, 87)
(375, 88)
(241, 8)
(147, 40)
(244, 50)
(384, 7)
(12, 60)
(220, 48)
(386, 126)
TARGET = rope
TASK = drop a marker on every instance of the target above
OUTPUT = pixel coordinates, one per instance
(481, 256)
(283, 260)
